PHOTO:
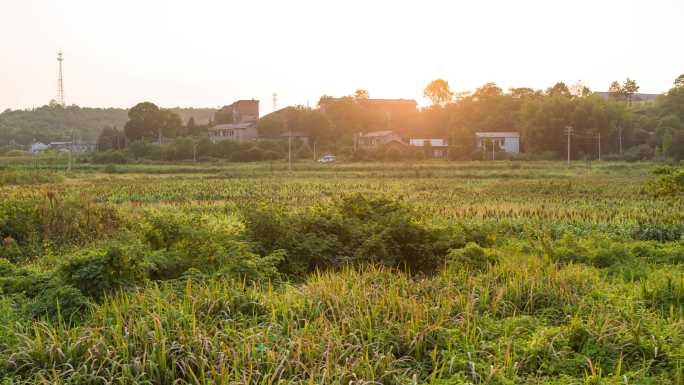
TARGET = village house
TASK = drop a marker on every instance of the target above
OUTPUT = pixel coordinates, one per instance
(239, 132)
(438, 148)
(375, 139)
(245, 115)
(80, 147)
(507, 141)
(37, 147)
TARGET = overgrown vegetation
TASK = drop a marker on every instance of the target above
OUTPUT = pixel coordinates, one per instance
(416, 273)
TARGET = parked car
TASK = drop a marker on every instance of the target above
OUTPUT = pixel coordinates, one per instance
(327, 159)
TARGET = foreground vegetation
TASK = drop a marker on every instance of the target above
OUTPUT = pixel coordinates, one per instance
(402, 273)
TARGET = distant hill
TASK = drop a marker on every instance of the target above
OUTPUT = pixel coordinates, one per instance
(54, 123)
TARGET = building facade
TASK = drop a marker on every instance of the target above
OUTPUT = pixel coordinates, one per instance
(245, 115)
(238, 132)
(507, 141)
(438, 148)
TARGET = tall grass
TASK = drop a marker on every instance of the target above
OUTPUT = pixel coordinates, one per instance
(584, 284)
(524, 321)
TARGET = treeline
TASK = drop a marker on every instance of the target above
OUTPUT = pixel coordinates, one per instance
(616, 127)
(628, 129)
(56, 123)
(198, 149)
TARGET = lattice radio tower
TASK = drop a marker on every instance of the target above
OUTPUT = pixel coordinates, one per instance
(60, 80)
(275, 101)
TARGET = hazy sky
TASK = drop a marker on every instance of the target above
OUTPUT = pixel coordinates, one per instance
(206, 53)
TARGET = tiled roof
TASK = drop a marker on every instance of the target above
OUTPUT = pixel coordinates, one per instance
(377, 133)
(234, 126)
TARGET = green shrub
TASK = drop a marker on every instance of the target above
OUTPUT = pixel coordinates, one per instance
(597, 251)
(61, 302)
(24, 282)
(109, 157)
(97, 271)
(670, 182)
(177, 243)
(472, 256)
(28, 224)
(354, 229)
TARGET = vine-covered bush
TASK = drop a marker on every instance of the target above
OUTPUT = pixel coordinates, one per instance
(354, 229)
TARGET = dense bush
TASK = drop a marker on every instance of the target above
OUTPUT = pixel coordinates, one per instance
(62, 302)
(597, 251)
(472, 256)
(96, 272)
(110, 156)
(670, 182)
(17, 280)
(29, 224)
(178, 243)
(355, 229)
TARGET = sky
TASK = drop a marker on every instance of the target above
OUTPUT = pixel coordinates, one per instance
(208, 53)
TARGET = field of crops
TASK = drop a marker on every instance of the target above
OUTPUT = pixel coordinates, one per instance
(351, 273)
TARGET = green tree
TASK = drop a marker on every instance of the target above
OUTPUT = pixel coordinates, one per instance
(559, 89)
(147, 121)
(615, 91)
(521, 92)
(438, 92)
(190, 125)
(629, 88)
(111, 139)
(361, 94)
(679, 82)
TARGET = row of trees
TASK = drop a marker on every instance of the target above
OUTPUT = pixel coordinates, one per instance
(625, 128)
(59, 123)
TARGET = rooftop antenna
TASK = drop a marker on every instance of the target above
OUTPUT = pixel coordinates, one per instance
(60, 80)
(275, 101)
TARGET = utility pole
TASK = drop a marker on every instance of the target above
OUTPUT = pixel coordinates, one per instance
(620, 137)
(289, 147)
(314, 148)
(568, 131)
(599, 146)
(492, 149)
(71, 150)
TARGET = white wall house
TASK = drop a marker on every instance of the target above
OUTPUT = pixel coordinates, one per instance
(37, 147)
(238, 132)
(507, 141)
(440, 147)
